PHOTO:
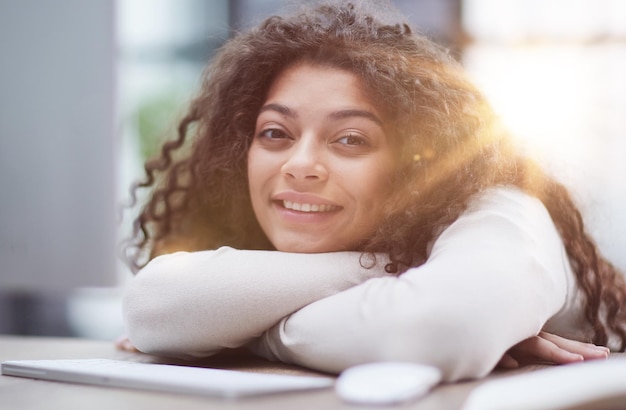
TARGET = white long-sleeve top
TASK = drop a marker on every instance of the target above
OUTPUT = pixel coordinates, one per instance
(497, 275)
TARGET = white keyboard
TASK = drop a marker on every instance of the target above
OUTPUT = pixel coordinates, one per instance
(162, 377)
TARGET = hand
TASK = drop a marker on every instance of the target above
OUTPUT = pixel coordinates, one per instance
(552, 349)
(123, 343)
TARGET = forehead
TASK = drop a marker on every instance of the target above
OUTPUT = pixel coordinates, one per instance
(306, 81)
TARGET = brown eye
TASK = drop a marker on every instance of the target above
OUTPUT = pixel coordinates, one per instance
(273, 134)
(352, 139)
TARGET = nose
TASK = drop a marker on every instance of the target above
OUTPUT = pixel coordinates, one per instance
(305, 162)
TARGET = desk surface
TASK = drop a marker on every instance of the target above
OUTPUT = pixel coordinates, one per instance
(25, 394)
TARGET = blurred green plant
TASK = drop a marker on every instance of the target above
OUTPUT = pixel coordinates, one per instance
(156, 120)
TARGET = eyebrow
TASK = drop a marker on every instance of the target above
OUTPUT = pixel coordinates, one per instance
(339, 115)
(279, 108)
(336, 115)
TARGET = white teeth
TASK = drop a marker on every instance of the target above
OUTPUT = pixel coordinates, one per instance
(308, 207)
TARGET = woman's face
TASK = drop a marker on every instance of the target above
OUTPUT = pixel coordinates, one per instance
(320, 165)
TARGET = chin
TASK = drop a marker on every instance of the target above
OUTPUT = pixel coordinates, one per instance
(306, 247)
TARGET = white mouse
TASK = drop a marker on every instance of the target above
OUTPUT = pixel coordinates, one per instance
(386, 382)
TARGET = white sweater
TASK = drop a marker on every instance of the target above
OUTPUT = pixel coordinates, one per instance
(497, 275)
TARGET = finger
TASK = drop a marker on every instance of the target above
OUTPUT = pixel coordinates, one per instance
(123, 343)
(507, 362)
(588, 350)
(546, 350)
(119, 342)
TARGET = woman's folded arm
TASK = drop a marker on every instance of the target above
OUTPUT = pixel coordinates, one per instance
(192, 304)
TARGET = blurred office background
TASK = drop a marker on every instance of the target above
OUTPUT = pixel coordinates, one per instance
(89, 90)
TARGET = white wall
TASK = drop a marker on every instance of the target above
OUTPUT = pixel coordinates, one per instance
(57, 216)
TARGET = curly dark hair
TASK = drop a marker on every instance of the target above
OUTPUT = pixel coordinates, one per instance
(452, 149)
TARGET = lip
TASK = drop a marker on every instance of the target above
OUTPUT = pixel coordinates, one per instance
(303, 198)
(293, 216)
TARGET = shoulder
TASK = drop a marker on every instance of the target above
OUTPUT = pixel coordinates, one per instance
(507, 210)
(507, 201)
(507, 227)
(504, 210)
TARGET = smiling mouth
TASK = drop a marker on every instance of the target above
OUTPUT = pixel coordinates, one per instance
(295, 206)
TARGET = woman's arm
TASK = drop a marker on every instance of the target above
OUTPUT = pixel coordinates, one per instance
(192, 304)
(493, 279)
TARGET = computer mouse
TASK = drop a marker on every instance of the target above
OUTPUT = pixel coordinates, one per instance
(381, 383)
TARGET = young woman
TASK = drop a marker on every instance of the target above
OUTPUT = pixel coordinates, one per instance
(350, 197)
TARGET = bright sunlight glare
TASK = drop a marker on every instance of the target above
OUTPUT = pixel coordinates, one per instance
(554, 72)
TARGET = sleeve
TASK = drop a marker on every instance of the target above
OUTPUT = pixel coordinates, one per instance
(493, 278)
(192, 304)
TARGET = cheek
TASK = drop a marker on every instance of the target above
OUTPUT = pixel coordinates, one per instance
(261, 168)
(367, 196)
(255, 168)
(374, 208)
(379, 186)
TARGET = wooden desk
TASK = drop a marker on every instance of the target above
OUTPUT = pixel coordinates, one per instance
(25, 394)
